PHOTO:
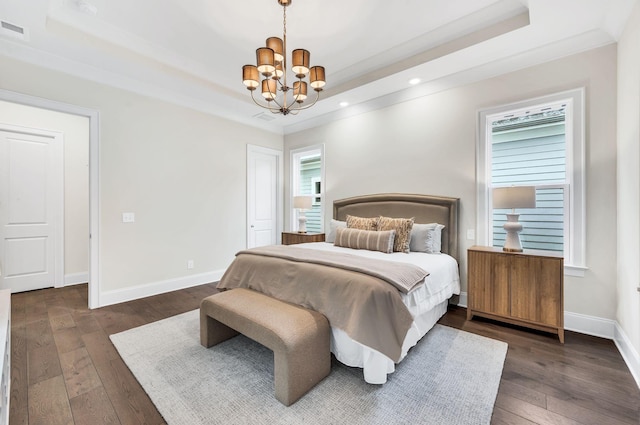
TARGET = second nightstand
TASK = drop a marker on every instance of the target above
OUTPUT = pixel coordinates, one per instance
(291, 238)
(524, 288)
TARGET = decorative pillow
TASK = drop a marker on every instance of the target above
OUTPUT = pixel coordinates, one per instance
(362, 223)
(365, 239)
(333, 227)
(419, 235)
(434, 239)
(402, 226)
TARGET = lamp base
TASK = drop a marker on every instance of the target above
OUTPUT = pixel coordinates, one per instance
(302, 223)
(512, 227)
(505, 249)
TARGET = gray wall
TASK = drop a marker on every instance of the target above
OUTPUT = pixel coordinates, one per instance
(628, 314)
(182, 172)
(428, 146)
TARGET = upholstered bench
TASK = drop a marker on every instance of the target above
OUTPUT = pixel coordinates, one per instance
(298, 337)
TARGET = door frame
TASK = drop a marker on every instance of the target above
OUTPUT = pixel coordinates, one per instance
(94, 175)
(279, 155)
(58, 182)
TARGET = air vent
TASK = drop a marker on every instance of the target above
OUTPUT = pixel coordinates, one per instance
(264, 117)
(85, 7)
(8, 29)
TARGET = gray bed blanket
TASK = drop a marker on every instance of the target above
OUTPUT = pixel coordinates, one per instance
(353, 292)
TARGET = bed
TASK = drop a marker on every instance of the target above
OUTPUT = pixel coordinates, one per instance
(425, 302)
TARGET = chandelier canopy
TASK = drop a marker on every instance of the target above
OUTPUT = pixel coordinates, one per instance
(272, 64)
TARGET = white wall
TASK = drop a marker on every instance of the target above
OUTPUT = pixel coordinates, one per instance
(628, 314)
(427, 146)
(76, 176)
(182, 172)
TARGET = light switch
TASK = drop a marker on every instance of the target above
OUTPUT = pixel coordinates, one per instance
(128, 217)
(471, 234)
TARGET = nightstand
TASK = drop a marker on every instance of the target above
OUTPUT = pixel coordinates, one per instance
(291, 238)
(521, 288)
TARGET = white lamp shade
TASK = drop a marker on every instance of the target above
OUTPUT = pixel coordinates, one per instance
(514, 197)
(302, 202)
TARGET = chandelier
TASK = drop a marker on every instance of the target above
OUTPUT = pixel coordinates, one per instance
(272, 64)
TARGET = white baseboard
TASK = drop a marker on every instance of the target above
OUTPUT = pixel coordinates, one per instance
(462, 300)
(76, 278)
(155, 288)
(589, 325)
(629, 354)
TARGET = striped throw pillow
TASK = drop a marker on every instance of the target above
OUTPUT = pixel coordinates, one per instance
(365, 239)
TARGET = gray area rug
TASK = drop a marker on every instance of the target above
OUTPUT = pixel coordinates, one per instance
(450, 377)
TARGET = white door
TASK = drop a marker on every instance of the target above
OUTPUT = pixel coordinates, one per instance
(31, 217)
(264, 196)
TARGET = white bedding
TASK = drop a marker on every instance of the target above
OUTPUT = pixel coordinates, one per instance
(427, 303)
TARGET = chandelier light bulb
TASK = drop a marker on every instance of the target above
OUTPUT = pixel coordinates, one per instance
(269, 89)
(266, 61)
(279, 72)
(300, 62)
(250, 76)
(276, 44)
(300, 91)
(316, 76)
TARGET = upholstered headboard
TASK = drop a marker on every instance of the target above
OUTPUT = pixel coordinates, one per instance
(424, 208)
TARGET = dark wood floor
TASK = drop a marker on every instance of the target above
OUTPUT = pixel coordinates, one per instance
(65, 370)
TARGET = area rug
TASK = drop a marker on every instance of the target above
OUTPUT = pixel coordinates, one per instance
(450, 377)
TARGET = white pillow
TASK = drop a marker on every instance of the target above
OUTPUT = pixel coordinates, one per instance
(333, 226)
(426, 238)
(434, 239)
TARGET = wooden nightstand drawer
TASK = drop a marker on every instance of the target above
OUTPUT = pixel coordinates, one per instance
(291, 238)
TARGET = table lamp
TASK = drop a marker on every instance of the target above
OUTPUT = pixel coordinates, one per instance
(513, 197)
(302, 203)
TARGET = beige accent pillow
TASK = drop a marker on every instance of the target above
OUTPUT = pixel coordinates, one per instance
(362, 223)
(365, 239)
(402, 226)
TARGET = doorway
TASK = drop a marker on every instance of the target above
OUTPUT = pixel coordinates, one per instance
(91, 232)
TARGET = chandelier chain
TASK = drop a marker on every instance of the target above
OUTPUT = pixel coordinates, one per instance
(284, 86)
(284, 21)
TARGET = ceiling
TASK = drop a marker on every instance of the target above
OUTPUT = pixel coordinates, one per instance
(191, 52)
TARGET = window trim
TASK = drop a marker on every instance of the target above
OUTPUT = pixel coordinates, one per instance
(575, 264)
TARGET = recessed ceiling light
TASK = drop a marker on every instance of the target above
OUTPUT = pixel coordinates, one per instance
(414, 81)
(344, 104)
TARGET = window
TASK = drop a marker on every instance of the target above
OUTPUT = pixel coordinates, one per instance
(307, 173)
(536, 143)
(316, 190)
